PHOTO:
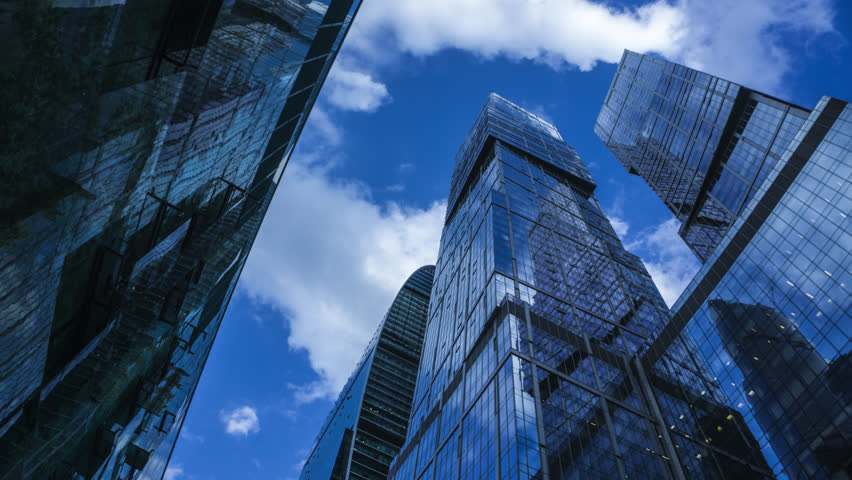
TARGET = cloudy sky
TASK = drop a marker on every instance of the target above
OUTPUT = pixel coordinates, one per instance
(362, 201)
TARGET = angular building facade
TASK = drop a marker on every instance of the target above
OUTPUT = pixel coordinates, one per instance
(537, 360)
(770, 310)
(142, 146)
(367, 425)
(704, 144)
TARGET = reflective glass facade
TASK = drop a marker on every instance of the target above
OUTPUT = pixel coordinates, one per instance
(537, 357)
(704, 144)
(142, 143)
(366, 427)
(771, 309)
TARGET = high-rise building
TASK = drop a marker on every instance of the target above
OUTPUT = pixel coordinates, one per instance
(770, 310)
(702, 143)
(366, 427)
(536, 361)
(142, 143)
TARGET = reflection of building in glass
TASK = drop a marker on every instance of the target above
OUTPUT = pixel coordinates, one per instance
(148, 138)
(771, 309)
(764, 191)
(366, 427)
(798, 404)
(536, 360)
(702, 143)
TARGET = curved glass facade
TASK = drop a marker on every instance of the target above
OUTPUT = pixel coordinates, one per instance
(145, 140)
(367, 425)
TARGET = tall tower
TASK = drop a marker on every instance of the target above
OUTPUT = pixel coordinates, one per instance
(533, 363)
(366, 427)
(144, 142)
(770, 308)
(702, 143)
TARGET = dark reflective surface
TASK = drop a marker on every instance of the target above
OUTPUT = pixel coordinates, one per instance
(702, 143)
(775, 327)
(141, 146)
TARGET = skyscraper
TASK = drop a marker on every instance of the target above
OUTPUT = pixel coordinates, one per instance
(142, 146)
(534, 359)
(366, 427)
(704, 144)
(770, 310)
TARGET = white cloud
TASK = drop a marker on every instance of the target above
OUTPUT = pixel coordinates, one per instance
(744, 40)
(353, 90)
(173, 472)
(731, 38)
(669, 261)
(620, 226)
(578, 32)
(332, 259)
(240, 421)
(615, 212)
(325, 128)
(396, 187)
(315, 390)
(185, 434)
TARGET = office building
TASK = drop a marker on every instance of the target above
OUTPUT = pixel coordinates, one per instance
(536, 361)
(702, 143)
(770, 310)
(143, 143)
(366, 427)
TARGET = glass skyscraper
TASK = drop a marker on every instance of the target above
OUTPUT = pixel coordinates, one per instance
(142, 143)
(770, 311)
(537, 359)
(366, 427)
(704, 144)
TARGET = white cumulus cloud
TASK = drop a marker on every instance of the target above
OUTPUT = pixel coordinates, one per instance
(668, 260)
(743, 41)
(331, 134)
(240, 421)
(173, 472)
(353, 90)
(331, 259)
(620, 226)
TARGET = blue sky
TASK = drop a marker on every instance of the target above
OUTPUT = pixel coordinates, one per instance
(361, 204)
